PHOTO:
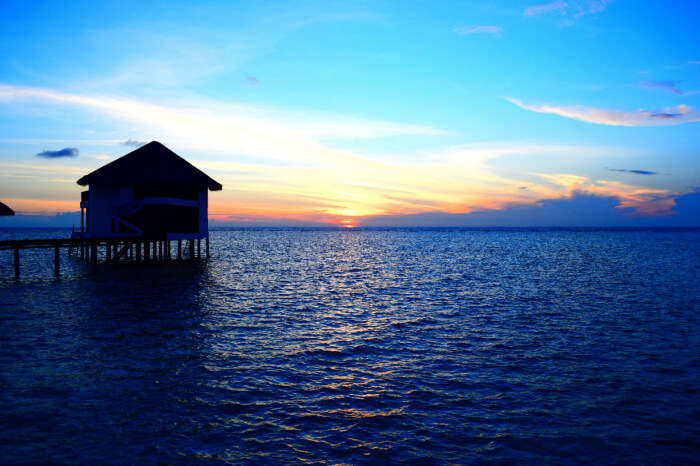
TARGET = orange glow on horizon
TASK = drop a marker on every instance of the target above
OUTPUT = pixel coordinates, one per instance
(42, 206)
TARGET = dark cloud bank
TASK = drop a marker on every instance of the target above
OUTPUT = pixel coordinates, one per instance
(579, 211)
(55, 154)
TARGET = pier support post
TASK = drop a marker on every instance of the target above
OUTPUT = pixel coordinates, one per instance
(146, 251)
(138, 251)
(179, 249)
(199, 248)
(108, 252)
(56, 263)
(93, 254)
(16, 256)
(167, 249)
(155, 250)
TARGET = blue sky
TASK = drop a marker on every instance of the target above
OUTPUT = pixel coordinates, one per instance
(350, 112)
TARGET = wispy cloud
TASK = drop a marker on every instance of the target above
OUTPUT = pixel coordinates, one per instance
(278, 162)
(215, 126)
(670, 86)
(132, 143)
(635, 172)
(251, 80)
(494, 30)
(556, 6)
(55, 154)
(570, 9)
(669, 116)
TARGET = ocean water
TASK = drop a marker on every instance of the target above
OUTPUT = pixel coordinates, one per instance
(363, 346)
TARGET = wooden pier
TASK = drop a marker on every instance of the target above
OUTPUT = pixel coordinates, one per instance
(113, 250)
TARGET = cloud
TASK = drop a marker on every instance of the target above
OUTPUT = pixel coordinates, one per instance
(54, 154)
(579, 210)
(132, 143)
(669, 116)
(535, 10)
(278, 163)
(571, 9)
(462, 30)
(636, 172)
(670, 86)
(638, 199)
(213, 125)
(251, 80)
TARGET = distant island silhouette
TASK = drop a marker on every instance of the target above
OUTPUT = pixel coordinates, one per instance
(5, 211)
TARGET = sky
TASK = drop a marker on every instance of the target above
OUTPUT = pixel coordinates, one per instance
(476, 113)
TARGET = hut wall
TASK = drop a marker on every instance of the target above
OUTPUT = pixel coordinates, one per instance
(203, 210)
(101, 207)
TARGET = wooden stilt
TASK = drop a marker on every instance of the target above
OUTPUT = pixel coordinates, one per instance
(138, 251)
(56, 263)
(146, 251)
(167, 249)
(191, 242)
(199, 248)
(155, 250)
(207, 245)
(93, 254)
(108, 253)
(16, 256)
(179, 249)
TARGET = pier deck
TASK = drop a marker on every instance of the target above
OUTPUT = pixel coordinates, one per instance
(115, 249)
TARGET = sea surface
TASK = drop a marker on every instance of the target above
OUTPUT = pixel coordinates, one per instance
(359, 346)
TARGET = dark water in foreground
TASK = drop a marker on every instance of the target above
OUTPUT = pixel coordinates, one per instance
(360, 346)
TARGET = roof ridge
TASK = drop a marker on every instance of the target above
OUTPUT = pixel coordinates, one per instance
(153, 162)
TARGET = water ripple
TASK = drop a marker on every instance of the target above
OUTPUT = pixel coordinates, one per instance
(321, 346)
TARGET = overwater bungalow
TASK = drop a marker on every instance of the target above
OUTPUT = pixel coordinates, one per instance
(150, 193)
(133, 208)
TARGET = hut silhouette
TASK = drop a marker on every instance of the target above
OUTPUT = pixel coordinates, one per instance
(150, 193)
(5, 211)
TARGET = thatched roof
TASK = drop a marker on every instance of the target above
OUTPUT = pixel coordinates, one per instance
(4, 210)
(151, 163)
